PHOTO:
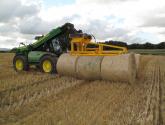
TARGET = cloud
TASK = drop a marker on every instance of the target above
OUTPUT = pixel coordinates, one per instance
(34, 25)
(103, 29)
(7, 27)
(101, 1)
(16, 9)
(5, 42)
(154, 22)
(11, 15)
(126, 20)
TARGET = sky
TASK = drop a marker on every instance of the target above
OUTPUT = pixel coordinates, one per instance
(131, 21)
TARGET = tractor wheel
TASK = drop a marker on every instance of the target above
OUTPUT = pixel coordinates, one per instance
(20, 63)
(48, 64)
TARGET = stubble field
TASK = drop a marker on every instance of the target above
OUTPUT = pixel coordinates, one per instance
(34, 98)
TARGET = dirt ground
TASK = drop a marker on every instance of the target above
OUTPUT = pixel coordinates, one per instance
(34, 98)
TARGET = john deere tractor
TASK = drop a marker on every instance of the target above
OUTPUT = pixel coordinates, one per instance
(45, 51)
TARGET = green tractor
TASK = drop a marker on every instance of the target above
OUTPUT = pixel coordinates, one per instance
(45, 51)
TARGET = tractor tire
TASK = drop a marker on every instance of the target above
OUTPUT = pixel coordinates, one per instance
(20, 63)
(48, 64)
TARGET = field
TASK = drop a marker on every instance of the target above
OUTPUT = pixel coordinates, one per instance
(149, 51)
(34, 98)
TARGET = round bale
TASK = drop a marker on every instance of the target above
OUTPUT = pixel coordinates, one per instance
(121, 68)
(89, 67)
(66, 65)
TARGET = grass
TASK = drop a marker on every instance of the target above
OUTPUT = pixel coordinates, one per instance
(40, 99)
(149, 51)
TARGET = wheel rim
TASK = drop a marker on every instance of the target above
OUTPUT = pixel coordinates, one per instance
(47, 66)
(19, 64)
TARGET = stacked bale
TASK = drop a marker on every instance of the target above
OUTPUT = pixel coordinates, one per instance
(89, 67)
(66, 65)
(119, 68)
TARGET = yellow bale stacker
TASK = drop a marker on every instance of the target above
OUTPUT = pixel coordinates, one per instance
(96, 61)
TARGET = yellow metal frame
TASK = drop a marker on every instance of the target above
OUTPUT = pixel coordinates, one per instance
(79, 47)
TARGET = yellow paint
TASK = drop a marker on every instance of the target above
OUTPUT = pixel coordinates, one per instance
(47, 66)
(19, 64)
(79, 47)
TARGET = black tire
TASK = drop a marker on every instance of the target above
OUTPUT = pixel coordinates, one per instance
(53, 61)
(24, 60)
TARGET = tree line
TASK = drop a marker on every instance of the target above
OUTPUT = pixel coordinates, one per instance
(146, 45)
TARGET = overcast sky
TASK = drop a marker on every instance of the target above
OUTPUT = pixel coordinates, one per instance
(132, 21)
